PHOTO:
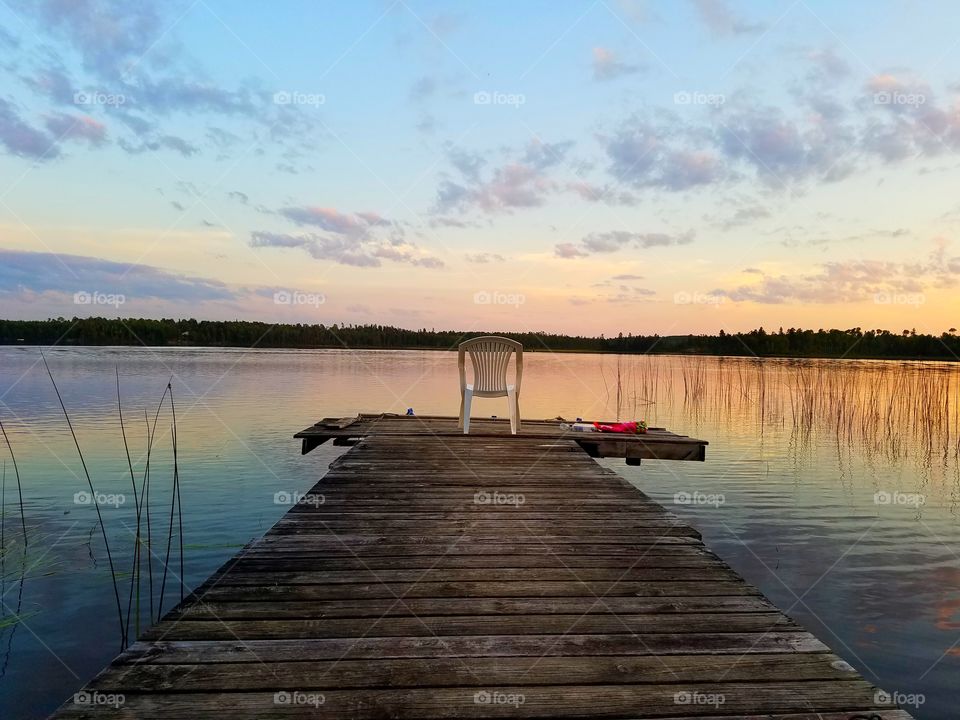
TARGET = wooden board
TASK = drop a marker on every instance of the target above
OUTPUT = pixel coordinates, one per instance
(406, 593)
(656, 444)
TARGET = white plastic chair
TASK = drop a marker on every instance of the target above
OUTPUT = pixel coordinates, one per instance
(490, 356)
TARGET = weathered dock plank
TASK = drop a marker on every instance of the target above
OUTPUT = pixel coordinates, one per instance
(656, 444)
(444, 576)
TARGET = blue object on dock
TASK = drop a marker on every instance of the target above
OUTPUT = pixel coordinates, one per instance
(409, 411)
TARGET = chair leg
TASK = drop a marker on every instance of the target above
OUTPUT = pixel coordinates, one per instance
(467, 401)
(514, 415)
(460, 419)
(516, 408)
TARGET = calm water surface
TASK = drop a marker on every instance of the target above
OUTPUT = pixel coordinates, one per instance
(832, 485)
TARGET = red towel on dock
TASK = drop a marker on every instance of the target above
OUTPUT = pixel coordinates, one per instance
(629, 428)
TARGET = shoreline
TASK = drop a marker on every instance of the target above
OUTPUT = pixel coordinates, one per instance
(565, 351)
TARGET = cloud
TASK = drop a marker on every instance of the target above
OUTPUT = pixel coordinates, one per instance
(568, 250)
(645, 154)
(607, 66)
(331, 220)
(849, 281)
(906, 120)
(541, 155)
(121, 56)
(169, 95)
(68, 274)
(451, 222)
(512, 186)
(834, 240)
(77, 127)
(484, 258)
(163, 142)
(744, 215)
(108, 34)
(721, 21)
(339, 250)
(607, 194)
(346, 249)
(54, 83)
(21, 139)
(240, 197)
(515, 185)
(627, 276)
(518, 183)
(423, 88)
(632, 295)
(827, 65)
(780, 150)
(608, 242)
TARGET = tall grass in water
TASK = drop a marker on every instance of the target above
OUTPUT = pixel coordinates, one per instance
(141, 497)
(888, 408)
(96, 505)
(135, 571)
(145, 517)
(16, 471)
(174, 504)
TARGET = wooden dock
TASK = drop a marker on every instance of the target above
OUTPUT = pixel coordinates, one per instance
(436, 575)
(656, 444)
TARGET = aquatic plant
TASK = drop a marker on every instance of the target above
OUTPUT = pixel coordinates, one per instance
(96, 505)
(16, 470)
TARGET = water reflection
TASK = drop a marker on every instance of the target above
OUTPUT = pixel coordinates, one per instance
(839, 479)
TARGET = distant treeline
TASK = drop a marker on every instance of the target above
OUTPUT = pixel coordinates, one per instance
(793, 342)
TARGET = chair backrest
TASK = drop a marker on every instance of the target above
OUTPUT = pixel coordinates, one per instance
(490, 356)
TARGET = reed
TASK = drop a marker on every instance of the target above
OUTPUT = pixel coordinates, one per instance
(16, 471)
(882, 407)
(174, 503)
(96, 505)
(135, 571)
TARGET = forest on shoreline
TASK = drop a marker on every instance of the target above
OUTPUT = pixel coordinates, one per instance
(792, 342)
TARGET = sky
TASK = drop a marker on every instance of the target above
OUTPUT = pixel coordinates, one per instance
(587, 167)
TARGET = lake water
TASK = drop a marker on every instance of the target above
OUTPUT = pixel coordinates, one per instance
(832, 485)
